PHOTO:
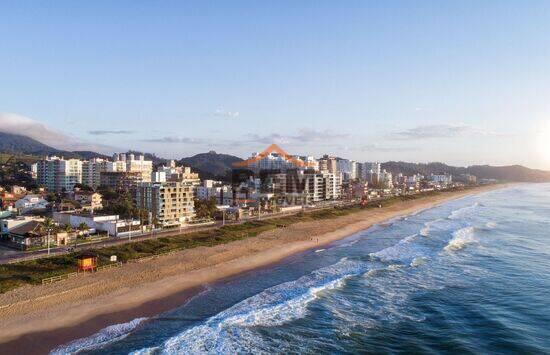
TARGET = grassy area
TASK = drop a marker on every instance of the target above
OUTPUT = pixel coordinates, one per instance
(32, 272)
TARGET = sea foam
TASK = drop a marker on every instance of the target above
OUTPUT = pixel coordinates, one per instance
(105, 336)
(461, 238)
(230, 330)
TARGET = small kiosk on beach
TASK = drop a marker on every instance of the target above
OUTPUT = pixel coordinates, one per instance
(87, 262)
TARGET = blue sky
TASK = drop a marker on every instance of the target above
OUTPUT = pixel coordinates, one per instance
(463, 82)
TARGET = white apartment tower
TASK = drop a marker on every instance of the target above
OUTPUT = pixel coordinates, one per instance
(57, 174)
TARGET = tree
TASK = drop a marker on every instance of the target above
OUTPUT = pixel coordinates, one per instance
(205, 208)
(83, 227)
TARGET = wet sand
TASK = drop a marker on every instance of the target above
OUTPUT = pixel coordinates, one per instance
(35, 319)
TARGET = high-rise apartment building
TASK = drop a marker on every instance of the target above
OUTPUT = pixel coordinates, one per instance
(57, 174)
(170, 203)
(131, 163)
(91, 171)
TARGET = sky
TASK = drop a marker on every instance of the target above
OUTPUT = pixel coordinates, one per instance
(461, 82)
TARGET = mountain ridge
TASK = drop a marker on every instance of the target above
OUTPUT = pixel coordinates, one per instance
(213, 165)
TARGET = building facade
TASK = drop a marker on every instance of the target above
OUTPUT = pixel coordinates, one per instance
(169, 203)
(57, 174)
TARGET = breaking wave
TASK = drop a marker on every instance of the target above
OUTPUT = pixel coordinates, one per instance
(461, 238)
(457, 214)
(401, 251)
(425, 231)
(103, 337)
(227, 332)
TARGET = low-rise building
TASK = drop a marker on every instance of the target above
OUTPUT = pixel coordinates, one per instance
(31, 203)
(7, 200)
(7, 224)
(89, 200)
(33, 235)
(112, 225)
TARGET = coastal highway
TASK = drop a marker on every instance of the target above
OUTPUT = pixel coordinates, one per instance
(38, 254)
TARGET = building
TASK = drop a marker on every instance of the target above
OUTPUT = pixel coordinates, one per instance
(468, 179)
(169, 203)
(112, 225)
(18, 190)
(31, 203)
(385, 179)
(7, 224)
(131, 163)
(34, 235)
(328, 163)
(441, 180)
(280, 179)
(57, 174)
(214, 189)
(7, 200)
(91, 172)
(176, 173)
(120, 180)
(89, 200)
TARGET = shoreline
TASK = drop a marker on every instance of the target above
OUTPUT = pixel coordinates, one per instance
(78, 308)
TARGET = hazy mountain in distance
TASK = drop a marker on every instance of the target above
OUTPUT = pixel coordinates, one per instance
(214, 165)
(19, 144)
(516, 173)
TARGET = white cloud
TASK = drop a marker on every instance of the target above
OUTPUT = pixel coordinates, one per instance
(224, 113)
(304, 135)
(434, 131)
(186, 140)
(105, 132)
(25, 126)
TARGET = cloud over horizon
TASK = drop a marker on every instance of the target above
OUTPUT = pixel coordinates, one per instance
(433, 131)
(106, 132)
(18, 124)
(174, 140)
(305, 135)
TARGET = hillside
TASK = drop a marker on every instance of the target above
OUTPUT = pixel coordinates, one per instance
(19, 145)
(211, 165)
(516, 173)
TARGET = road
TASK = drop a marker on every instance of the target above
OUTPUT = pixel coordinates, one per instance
(17, 256)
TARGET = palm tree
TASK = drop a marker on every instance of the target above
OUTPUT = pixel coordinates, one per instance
(49, 226)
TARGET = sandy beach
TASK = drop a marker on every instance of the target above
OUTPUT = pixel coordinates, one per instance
(35, 319)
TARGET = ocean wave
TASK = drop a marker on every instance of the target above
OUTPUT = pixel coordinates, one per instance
(425, 231)
(457, 214)
(105, 336)
(491, 225)
(460, 239)
(348, 244)
(229, 331)
(399, 252)
(418, 261)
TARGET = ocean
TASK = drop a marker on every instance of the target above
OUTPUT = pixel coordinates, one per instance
(469, 276)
